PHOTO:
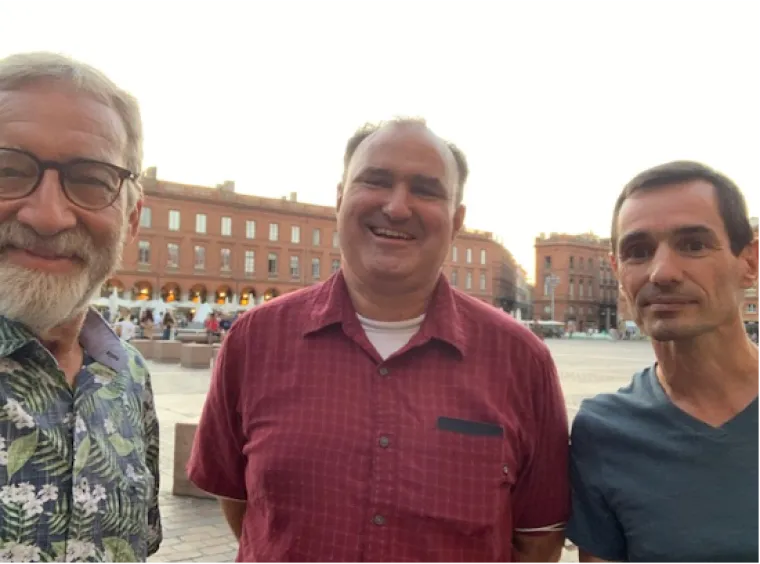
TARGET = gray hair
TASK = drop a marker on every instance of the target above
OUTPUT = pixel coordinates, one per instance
(24, 69)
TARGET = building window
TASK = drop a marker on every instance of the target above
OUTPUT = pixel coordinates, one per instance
(200, 223)
(200, 257)
(226, 259)
(590, 289)
(454, 277)
(272, 266)
(250, 262)
(335, 267)
(591, 264)
(482, 256)
(174, 220)
(145, 217)
(335, 240)
(315, 268)
(274, 232)
(250, 229)
(580, 263)
(468, 256)
(143, 253)
(468, 281)
(295, 234)
(454, 254)
(316, 237)
(226, 226)
(751, 308)
(295, 268)
(482, 282)
(572, 288)
(572, 262)
(580, 288)
(547, 262)
(172, 255)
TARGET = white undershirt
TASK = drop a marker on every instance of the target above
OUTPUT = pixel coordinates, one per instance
(390, 336)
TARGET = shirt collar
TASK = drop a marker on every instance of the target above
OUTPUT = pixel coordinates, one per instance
(443, 319)
(96, 337)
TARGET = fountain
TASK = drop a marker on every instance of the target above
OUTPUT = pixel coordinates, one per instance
(201, 313)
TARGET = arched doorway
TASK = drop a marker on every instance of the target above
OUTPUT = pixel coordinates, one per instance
(247, 297)
(171, 292)
(271, 294)
(198, 294)
(223, 295)
(142, 291)
(106, 290)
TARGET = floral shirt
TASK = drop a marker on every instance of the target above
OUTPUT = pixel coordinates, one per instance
(78, 466)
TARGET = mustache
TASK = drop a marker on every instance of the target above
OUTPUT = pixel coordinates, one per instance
(650, 294)
(74, 243)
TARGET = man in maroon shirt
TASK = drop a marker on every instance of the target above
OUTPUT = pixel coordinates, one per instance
(383, 415)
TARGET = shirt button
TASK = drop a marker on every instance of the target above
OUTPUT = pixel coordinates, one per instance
(378, 520)
(384, 441)
(505, 469)
(383, 371)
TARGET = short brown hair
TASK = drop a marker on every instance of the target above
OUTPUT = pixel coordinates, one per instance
(731, 203)
(369, 128)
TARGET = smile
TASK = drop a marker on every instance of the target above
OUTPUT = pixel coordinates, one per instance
(390, 234)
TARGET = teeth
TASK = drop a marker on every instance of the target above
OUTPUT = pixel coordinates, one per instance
(390, 233)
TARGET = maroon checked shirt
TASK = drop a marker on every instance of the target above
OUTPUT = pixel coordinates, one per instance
(439, 453)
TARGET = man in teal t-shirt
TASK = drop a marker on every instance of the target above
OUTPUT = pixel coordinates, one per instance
(667, 468)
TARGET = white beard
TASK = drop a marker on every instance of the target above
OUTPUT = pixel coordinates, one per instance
(43, 301)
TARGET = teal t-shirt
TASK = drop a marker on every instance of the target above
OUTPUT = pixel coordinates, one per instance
(653, 484)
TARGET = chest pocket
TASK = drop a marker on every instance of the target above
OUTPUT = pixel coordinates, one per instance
(460, 479)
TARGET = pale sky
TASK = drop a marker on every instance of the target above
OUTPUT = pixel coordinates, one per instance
(556, 104)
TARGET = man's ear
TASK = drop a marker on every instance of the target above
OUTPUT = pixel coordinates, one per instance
(134, 221)
(749, 260)
(458, 220)
(339, 196)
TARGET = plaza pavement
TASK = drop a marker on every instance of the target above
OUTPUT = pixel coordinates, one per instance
(194, 529)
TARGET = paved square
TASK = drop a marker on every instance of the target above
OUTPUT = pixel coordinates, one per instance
(194, 530)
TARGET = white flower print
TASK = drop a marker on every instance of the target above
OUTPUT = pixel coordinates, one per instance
(87, 499)
(21, 419)
(32, 507)
(17, 494)
(18, 552)
(48, 492)
(3, 453)
(80, 551)
(81, 426)
(68, 420)
(109, 426)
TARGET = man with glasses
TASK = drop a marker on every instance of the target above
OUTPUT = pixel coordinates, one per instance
(78, 428)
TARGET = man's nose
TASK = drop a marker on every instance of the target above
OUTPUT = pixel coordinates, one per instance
(397, 206)
(47, 210)
(665, 267)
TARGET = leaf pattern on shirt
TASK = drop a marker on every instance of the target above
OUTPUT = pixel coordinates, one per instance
(78, 468)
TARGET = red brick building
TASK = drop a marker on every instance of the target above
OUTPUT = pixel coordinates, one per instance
(211, 245)
(574, 281)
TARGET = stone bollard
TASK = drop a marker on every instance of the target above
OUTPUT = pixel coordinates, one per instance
(167, 351)
(184, 433)
(215, 353)
(195, 355)
(144, 346)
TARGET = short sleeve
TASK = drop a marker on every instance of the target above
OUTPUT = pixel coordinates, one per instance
(593, 527)
(217, 463)
(541, 500)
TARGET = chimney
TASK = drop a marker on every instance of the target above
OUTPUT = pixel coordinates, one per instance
(293, 196)
(150, 172)
(227, 186)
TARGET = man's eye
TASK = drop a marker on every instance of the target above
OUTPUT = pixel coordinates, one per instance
(636, 253)
(693, 246)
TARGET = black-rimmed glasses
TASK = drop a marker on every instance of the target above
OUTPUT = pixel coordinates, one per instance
(89, 184)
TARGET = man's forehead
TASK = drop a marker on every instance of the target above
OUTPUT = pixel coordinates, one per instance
(60, 108)
(393, 140)
(665, 210)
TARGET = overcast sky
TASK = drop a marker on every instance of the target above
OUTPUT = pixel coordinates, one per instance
(556, 104)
